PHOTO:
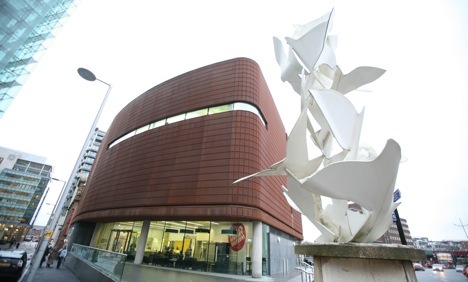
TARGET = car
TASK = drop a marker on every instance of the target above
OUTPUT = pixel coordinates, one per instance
(418, 266)
(437, 267)
(12, 263)
(459, 268)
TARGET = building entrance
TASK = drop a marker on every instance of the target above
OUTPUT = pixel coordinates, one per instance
(119, 240)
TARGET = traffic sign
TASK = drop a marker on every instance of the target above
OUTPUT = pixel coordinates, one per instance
(396, 195)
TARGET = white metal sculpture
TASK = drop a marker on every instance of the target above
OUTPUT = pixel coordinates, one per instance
(322, 149)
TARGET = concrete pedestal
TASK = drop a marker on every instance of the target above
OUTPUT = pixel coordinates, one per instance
(362, 262)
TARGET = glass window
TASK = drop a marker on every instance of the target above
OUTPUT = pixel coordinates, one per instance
(220, 109)
(223, 247)
(125, 137)
(175, 118)
(142, 129)
(239, 106)
(157, 123)
(193, 114)
(197, 113)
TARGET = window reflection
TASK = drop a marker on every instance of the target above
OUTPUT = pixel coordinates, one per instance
(223, 247)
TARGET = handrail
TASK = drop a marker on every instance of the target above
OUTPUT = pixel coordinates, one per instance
(109, 263)
(307, 271)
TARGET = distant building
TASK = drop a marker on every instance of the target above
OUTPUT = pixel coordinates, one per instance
(25, 27)
(23, 181)
(392, 236)
(78, 182)
(421, 243)
(447, 252)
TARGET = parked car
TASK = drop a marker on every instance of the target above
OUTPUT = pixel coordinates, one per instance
(459, 268)
(437, 267)
(418, 266)
(12, 263)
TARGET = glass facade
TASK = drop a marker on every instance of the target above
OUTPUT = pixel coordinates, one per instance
(223, 247)
(21, 188)
(25, 26)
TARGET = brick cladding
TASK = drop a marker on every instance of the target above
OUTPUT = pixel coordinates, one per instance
(185, 170)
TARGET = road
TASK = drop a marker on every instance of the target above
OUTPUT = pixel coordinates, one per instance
(29, 247)
(449, 275)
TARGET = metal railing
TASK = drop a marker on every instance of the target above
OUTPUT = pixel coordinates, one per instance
(109, 263)
(307, 271)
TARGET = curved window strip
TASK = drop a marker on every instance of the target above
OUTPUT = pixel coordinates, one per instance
(237, 106)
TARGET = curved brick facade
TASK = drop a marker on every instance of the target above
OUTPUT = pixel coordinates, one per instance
(185, 170)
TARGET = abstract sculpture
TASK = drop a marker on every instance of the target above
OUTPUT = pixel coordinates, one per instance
(322, 154)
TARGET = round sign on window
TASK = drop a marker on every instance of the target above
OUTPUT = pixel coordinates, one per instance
(237, 241)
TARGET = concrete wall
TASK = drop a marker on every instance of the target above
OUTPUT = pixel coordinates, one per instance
(282, 256)
(84, 271)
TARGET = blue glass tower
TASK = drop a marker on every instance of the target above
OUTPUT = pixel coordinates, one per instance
(25, 25)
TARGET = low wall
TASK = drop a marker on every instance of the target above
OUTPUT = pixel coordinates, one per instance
(84, 271)
(362, 262)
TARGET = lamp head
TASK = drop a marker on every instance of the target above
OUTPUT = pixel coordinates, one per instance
(86, 74)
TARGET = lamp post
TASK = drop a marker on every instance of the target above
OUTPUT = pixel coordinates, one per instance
(88, 75)
(463, 226)
(43, 243)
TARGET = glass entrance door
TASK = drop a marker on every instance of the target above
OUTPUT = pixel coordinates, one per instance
(119, 240)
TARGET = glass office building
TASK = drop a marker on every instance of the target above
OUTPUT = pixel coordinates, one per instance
(25, 27)
(77, 184)
(23, 181)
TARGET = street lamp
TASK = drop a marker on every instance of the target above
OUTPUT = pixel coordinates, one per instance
(88, 75)
(463, 226)
(43, 243)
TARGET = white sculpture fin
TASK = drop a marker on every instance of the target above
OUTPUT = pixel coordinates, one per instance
(289, 65)
(311, 41)
(339, 115)
(356, 78)
(367, 183)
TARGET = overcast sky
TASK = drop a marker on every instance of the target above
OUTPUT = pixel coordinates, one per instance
(420, 101)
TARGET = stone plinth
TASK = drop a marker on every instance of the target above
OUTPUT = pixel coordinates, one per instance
(362, 262)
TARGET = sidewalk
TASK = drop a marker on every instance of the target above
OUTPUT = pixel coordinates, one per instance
(52, 274)
(140, 273)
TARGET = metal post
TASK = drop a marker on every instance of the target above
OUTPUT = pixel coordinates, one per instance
(43, 243)
(463, 226)
(86, 143)
(88, 75)
(400, 228)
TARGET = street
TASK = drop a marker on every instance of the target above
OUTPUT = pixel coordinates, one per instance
(449, 275)
(29, 247)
